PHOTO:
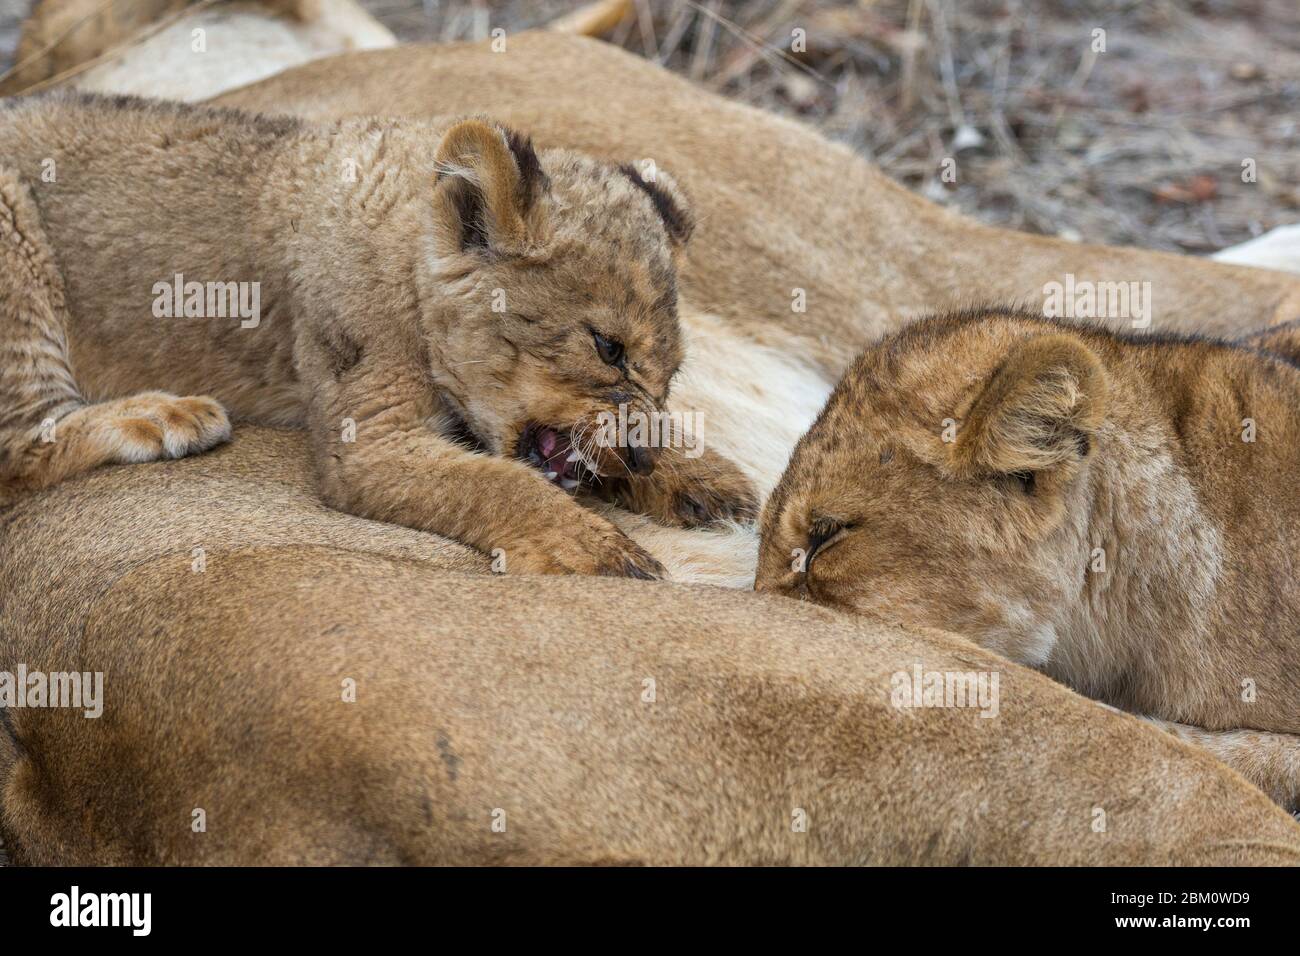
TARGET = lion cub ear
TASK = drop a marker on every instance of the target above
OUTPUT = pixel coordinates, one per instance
(487, 181)
(668, 199)
(1037, 412)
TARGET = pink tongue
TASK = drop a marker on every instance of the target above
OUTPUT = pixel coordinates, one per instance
(554, 450)
(546, 443)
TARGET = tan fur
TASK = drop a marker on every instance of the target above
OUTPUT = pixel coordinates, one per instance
(1178, 808)
(47, 431)
(419, 282)
(807, 215)
(611, 721)
(1095, 505)
(779, 209)
(1270, 761)
(59, 35)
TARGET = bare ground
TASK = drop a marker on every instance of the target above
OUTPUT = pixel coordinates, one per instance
(1140, 143)
(1176, 127)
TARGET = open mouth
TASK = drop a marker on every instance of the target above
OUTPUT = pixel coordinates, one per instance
(549, 450)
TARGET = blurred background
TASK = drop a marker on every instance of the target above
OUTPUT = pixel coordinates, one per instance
(1117, 121)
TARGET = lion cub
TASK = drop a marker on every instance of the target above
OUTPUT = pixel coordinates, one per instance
(1120, 511)
(448, 311)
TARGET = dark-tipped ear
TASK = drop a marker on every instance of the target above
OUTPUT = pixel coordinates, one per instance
(668, 200)
(487, 180)
(1039, 410)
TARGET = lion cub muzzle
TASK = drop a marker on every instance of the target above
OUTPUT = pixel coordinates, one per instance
(570, 457)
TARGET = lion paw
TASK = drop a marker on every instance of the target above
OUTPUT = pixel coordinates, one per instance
(599, 550)
(692, 493)
(156, 426)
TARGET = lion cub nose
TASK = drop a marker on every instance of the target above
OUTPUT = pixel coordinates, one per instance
(641, 461)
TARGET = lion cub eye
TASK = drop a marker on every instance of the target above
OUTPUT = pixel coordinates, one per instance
(609, 350)
(822, 531)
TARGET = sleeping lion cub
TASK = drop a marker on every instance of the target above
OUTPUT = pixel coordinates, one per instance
(1120, 511)
(450, 313)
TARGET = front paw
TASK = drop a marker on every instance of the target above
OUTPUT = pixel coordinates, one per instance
(592, 548)
(729, 498)
(153, 426)
(692, 493)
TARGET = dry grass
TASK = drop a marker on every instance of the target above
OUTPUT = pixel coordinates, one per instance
(1141, 144)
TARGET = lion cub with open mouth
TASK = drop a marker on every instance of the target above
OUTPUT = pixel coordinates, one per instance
(449, 312)
(1120, 511)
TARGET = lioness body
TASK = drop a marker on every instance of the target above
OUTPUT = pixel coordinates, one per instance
(723, 727)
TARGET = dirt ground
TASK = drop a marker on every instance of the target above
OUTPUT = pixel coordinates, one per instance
(1176, 128)
(1170, 124)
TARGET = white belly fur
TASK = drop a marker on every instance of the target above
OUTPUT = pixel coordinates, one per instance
(755, 402)
(1278, 249)
(243, 44)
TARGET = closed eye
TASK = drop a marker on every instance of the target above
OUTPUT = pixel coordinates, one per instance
(823, 532)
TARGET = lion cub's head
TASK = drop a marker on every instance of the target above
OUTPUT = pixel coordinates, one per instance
(554, 298)
(945, 483)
